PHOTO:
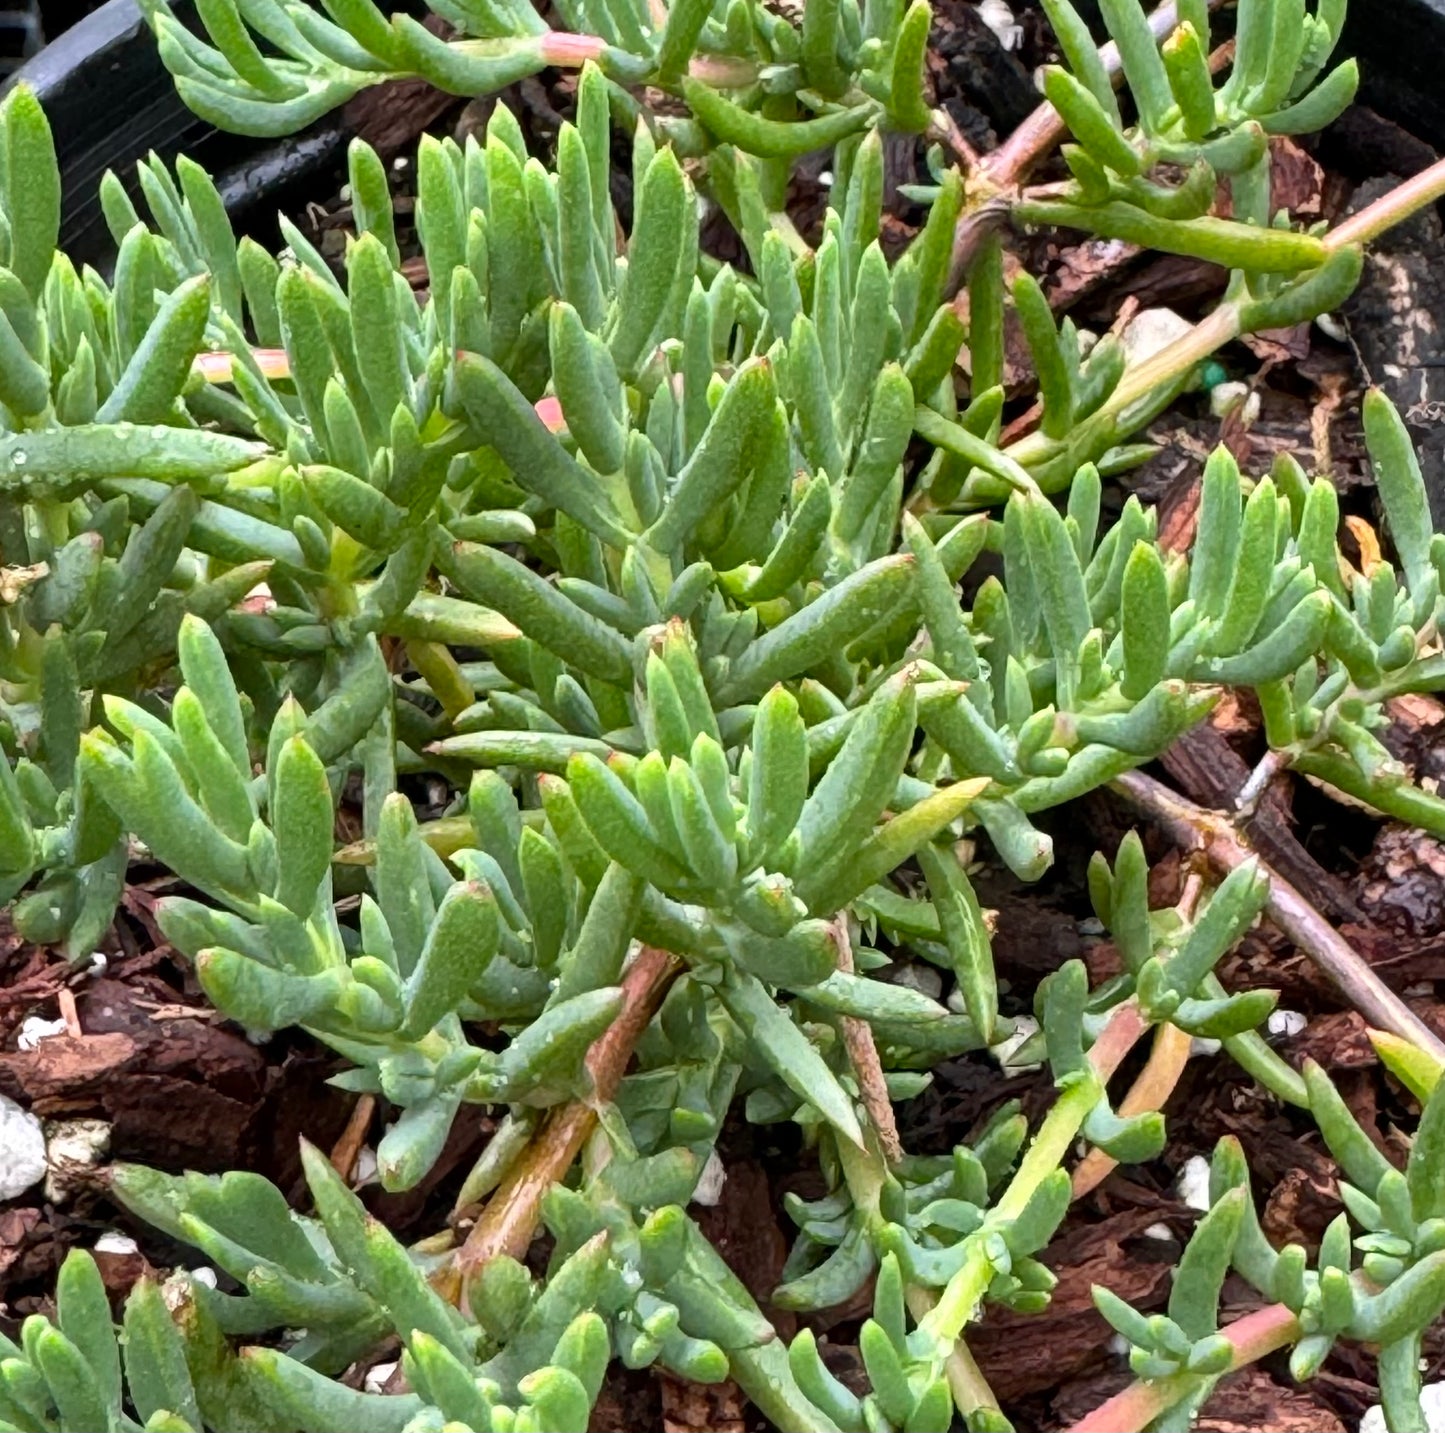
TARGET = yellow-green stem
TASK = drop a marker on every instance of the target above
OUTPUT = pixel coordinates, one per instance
(1046, 1153)
(966, 1381)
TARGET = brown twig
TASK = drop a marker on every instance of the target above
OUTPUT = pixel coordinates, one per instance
(945, 129)
(345, 1151)
(510, 1219)
(1216, 836)
(863, 1055)
(65, 999)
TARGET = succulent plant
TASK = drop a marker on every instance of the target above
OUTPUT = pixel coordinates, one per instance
(655, 563)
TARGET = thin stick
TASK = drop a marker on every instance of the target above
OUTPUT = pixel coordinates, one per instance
(1000, 172)
(945, 128)
(345, 1151)
(1208, 831)
(863, 1054)
(1270, 765)
(65, 999)
(513, 1212)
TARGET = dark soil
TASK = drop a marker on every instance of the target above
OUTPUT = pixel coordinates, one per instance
(179, 1089)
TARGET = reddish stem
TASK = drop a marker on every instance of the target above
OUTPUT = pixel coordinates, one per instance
(1123, 1030)
(1390, 209)
(1253, 1336)
(513, 1212)
(1043, 129)
(569, 51)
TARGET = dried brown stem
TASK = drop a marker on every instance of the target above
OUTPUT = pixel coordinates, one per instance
(510, 1219)
(995, 176)
(1216, 836)
(345, 1151)
(65, 999)
(863, 1055)
(944, 128)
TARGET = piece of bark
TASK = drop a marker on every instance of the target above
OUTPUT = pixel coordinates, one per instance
(743, 1228)
(1401, 883)
(701, 1407)
(1249, 1400)
(1299, 1207)
(1362, 144)
(179, 1089)
(1337, 1041)
(1396, 317)
(17, 1226)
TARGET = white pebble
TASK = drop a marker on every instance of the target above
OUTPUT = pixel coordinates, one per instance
(112, 1243)
(1203, 1045)
(365, 1166)
(710, 1182)
(22, 1150)
(71, 1146)
(1025, 1026)
(205, 1275)
(1193, 1183)
(376, 1376)
(1432, 1405)
(35, 1029)
(1331, 327)
(1151, 331)
(1225, 398)
(1161, 1232)
(1285, 1022)
(922, 978)
(1000, 19)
